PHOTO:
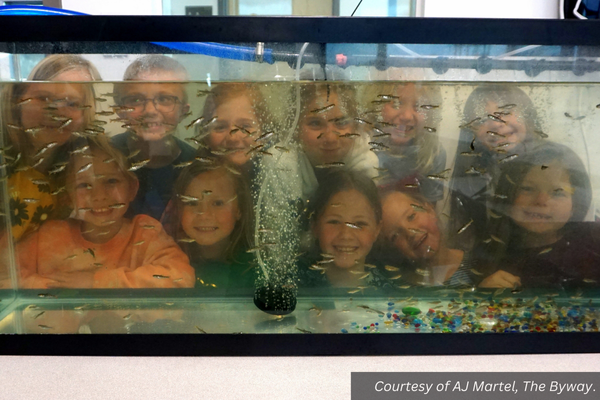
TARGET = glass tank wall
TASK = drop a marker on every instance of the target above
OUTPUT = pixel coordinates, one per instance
(304, 188)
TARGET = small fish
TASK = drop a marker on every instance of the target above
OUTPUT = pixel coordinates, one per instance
(493, 214)
(574, 118)
(45, 326)
(507, 106)
(350, 135)
(498, 292)
(201, 92)
(364, 275)
(466, 125)
(183, 164)
(200, 329)
(492, 133)
(108, 160)
(544, 167)
(134, 153)
(66, 123)
(422, 272)
(547, 250)
(362, 121)
(44, 148)
(283, 149)
(85, 168)
(141, 242)
(194, 122)
(502, 145)
(303, 330)
(137, 165)
(495, 118)
(417, 207)
(244, 130)
(391, 268)
(371, 266)
(187, 199)
(507, 159)
(206, 192)
(497, 239)
(149, 226)
(437, 177)
(80, 150)
(57, 191)
(30, 200)
(46, 296)
(157, 276)
(411, 185)
(212, 120)
(327, 261)
(254, 249)
(100, 99)
(470, 154)
(253, 149)
(317, 309)
(126, 317)
(22, 102)
(40, 182)
(473, 171)
(264, 136)
(322, 110)
(330, 165)
(474, 271)
(90, 252)
(429, 129)
(587, 280)
(205, 160)
(429, 106)
(378, 145)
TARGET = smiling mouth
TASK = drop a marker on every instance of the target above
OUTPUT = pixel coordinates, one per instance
(206, 228)
(345, 249)
(537, 216)
(101, 211)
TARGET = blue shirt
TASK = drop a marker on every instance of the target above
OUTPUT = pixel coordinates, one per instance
(156, 184)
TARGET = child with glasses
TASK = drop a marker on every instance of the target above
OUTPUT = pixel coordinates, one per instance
(151, 108)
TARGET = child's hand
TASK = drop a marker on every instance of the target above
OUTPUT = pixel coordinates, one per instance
(501, 279)
(76, 279)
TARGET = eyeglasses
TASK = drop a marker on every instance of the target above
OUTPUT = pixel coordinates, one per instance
(163, 103)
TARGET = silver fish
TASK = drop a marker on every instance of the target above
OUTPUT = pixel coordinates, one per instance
(322, 110)
(85, 168)
(464, 228)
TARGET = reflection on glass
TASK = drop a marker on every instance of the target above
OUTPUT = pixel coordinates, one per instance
(331, 206)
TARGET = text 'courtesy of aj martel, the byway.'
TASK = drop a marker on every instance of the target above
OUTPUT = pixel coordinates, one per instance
(448, 386)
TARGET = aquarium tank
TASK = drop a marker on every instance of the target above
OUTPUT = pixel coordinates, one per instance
(337, 177)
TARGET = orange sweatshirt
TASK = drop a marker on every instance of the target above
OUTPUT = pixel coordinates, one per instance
(141, 255)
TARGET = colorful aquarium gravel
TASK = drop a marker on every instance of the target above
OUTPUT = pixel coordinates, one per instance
(478, 316)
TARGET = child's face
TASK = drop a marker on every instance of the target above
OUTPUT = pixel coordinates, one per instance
(412, 230)
(158, 107)
(347, 228)
(404, 114)
(507, 135)
(544, 201)
(101, 193)
(320, 132)
(234, 112)
(212, 219)
(51, 105)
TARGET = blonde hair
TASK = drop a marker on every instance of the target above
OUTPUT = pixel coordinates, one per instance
(152, 63)
(224, 92)
(428, 144)
(96, 143)
(46, 70)
(241, 236)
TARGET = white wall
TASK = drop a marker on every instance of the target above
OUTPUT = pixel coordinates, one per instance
(490, 9)
(114, 7)
(177, 7)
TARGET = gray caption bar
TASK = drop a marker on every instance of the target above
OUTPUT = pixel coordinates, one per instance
(475, 385)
